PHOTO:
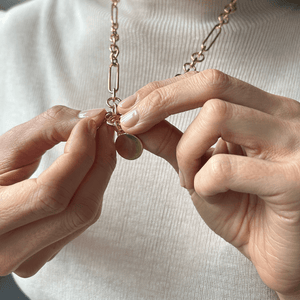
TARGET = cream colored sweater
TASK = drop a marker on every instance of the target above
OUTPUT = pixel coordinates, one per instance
(149, 243)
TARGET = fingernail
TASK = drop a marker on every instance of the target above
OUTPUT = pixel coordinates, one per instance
(92, 128)
(128, 102)
(89, 113)
(182, 181)
(130, 119)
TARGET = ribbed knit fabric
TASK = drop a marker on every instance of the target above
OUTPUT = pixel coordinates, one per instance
(149, 243)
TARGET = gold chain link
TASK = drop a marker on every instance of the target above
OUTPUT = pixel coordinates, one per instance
(114, 49)
(113, 118)
(199, 57)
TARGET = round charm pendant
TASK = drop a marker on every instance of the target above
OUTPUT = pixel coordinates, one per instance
(129, 146)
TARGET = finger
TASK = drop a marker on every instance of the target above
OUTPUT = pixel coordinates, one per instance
(50, 193)
(225, 194)
(34, 263)
(162, 140)
(235, 149)
(83, 210)
(87, 203)
(224, 147)
(224, 172)
(21, 148)
(235, 124)
(193, 92)
(92, 188)
(221, 147)
(86, 206)
(127, 103)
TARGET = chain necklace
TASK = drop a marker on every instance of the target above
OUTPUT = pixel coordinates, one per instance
(128, 145)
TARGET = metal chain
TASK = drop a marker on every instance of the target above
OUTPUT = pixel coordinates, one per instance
(199, 57)
(112, 117)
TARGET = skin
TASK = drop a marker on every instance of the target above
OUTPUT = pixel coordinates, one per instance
(38, 217)
(247, 188)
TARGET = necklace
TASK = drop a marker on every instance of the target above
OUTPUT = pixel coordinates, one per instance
(127, 145)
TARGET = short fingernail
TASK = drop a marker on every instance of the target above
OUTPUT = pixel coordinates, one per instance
(130, 119)
(128, 102)
(89, 113)
(182, 181)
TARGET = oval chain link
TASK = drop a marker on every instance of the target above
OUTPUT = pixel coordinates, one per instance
(112, 117)
(223, 19)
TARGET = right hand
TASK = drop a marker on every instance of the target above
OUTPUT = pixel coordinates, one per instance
(38, 217)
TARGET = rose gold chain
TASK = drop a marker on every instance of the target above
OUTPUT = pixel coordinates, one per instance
(113, 118)
(199, 57)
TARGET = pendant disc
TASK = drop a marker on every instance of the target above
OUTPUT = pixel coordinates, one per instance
(129, 146)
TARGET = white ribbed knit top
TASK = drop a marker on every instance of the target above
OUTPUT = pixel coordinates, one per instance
(150, 242)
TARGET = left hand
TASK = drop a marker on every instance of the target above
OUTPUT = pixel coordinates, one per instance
(247, 188)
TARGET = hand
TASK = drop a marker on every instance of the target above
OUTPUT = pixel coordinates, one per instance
(38, 217)
(247, 188)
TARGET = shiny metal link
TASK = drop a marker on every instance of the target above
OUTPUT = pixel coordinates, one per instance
(114, 64)
(114, 49)
(112, 117)
(223, 19)
(114, 16)
(216, 29)
(111, 102)
(198, 57)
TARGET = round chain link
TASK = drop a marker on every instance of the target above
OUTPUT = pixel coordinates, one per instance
(223, 19)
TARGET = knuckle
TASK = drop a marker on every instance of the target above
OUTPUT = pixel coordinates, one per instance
(84, 213)
(215, 79)
(55, 112)
(220, 167)
(147, 89)
(50, 199)
(289, 109)
(155, 99)
(215, 110)
(217, 170)
(53, 131)
(53, 135)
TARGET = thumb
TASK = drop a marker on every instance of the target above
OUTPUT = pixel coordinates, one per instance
(162, 140)
(21, 147)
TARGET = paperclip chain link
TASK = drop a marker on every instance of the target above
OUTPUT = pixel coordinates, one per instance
(199, 57)
(112, 117)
